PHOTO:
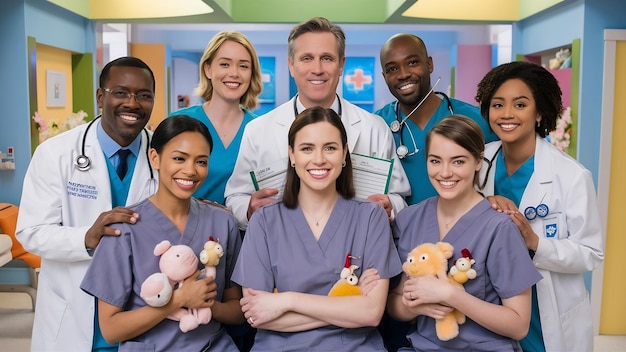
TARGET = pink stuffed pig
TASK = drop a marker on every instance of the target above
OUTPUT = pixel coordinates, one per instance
(177, 263)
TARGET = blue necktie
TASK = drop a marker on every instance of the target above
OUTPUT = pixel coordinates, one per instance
(122, 166)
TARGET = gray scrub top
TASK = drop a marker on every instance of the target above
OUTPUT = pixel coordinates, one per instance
(280, 251)
(121, 264)
(503, 266)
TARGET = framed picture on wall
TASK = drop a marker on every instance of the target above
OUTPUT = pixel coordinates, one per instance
(267, 99)
(358, 81)
(55, 89)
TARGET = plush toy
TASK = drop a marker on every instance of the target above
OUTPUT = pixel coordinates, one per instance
(348, 281)
(177, 263)
(567, 58)
(432, 259)
(562, 59)
(156, 290)
(461, 270)
(210, 256)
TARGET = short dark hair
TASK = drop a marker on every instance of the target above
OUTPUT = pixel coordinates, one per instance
(126, 61)
(344, 183)
(317, 25)
(544, 87)
(175, 125)
(463, 131)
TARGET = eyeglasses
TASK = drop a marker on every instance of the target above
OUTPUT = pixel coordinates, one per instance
(121, 94)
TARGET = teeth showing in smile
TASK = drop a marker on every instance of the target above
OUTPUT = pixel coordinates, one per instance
(318, 172)
(317, 82)
(184, 182)
(447, 183)
(128, 118)
(232, 85)
(508, 127)
(407, 86)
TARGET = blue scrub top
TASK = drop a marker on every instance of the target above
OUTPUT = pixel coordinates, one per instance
(222, 159)
(513, 187)
(415, 166)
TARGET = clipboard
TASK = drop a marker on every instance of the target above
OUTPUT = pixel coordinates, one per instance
(372, 175)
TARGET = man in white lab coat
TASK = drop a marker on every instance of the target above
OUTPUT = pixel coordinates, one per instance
(316, 58)
(77, 184)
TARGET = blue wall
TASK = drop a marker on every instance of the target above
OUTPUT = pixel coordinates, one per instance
(599, 15)
(14, 119)
(50, 25)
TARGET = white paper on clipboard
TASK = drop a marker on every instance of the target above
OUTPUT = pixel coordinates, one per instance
(272, 175)
(371, 175)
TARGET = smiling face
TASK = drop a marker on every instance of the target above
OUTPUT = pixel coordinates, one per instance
(513, 114)
(123, 118)
(451, 168)
(230, 71)
(406, 69)
(182, 164)
(318, 156)
(316, 68)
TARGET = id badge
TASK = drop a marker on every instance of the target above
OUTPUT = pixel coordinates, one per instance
(554, 226)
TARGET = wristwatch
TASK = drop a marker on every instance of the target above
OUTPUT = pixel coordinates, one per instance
(90, 251)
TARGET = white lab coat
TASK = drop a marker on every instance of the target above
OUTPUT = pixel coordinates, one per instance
(567, 188)
(264, 141)
(59, 204)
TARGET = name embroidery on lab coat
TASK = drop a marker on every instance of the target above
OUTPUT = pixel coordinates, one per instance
(82, 190)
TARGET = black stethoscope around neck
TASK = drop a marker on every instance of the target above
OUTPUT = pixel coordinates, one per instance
(295, 105)
(83, 162)
(399, 123)
(530, 213)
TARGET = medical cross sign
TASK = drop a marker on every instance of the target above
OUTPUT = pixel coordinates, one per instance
(358, 80)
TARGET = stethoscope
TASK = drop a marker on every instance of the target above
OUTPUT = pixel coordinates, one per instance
(397, 124)
(531, 213)
(83, 162)
(295, 105)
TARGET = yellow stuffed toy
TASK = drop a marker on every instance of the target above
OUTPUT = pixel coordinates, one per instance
(347, 285)
(461, 270)
(432, 259)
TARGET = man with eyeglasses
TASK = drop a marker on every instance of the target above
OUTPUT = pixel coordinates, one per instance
(77, 184)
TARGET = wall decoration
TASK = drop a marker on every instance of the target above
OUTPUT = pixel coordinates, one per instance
(268, 77)
(55, 89)
(267, 98)
(358, 81)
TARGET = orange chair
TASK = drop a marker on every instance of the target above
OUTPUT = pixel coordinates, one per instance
(21, 258)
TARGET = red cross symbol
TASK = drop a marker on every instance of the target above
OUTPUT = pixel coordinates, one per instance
(358, 80)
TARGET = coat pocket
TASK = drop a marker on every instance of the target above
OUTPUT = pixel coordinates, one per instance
(554, 226)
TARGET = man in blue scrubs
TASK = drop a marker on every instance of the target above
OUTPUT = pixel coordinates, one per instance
(407, 68)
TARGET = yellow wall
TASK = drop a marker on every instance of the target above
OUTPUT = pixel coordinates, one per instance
(154, 56)
(613, 314)
(51, 58)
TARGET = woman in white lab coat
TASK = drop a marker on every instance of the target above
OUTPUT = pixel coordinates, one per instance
(61, 201)
(557, 208)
